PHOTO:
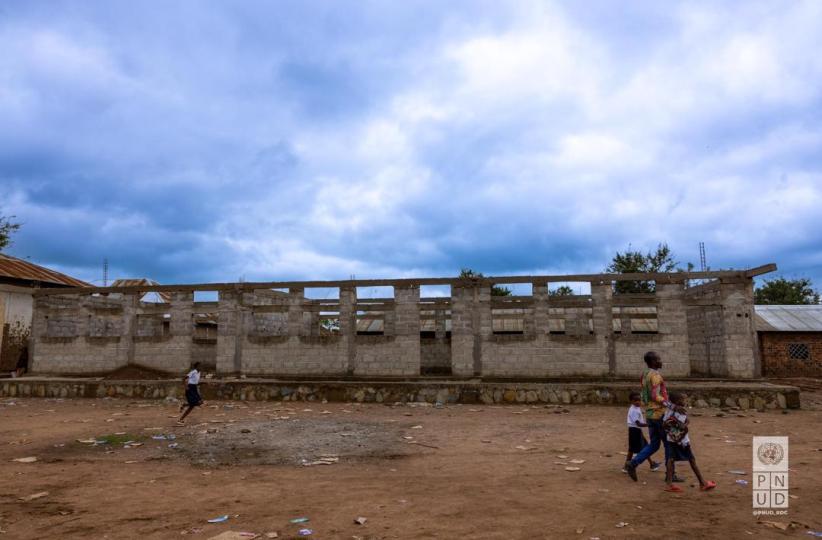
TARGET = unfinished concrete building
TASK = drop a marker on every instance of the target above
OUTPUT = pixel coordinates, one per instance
(702, 323)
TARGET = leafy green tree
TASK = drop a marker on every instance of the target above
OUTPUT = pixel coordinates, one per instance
(496, 290)
(7, 228)
(786, 291)
(562, 290)
(660, 260)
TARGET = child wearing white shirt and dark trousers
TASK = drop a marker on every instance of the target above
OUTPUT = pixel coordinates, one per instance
(636, 439)
(193, 398)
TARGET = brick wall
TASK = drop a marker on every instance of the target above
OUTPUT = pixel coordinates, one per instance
(776, 361)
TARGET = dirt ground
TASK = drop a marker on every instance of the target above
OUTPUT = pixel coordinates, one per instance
(413, 471)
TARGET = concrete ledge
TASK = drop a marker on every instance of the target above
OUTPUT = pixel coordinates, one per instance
(715, 393)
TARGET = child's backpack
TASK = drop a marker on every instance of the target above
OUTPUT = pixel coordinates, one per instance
(675, 428)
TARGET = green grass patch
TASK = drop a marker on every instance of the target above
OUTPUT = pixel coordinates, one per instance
(118, 439)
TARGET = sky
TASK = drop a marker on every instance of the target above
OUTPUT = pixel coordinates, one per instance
(197, 141)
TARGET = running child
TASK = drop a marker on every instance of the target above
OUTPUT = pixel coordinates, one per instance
(676, 424)
(192, 380)
(636, 439)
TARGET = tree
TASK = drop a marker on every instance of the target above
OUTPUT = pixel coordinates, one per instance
(661, 260)
(7, 228)
(496, 290)
(562, 290)
(786, 291)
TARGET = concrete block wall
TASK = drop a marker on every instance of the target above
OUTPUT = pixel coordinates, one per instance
(62, 340)
(740, 345)
(435, 353)
(670, 341)
(706, 330)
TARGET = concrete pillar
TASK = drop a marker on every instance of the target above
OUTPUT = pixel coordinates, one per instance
(539, 315)
(182, 327)
(462, 329)
(407, 328)
(229, 325)
(439, 323)
(739, 335)
(296, 298)
(602, 314)
(130, 304)
(672, 326)
(348, 325)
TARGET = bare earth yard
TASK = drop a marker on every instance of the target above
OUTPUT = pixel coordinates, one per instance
(413, 471)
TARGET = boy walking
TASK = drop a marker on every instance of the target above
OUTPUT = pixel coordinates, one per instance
(675, 424)
(636, 439)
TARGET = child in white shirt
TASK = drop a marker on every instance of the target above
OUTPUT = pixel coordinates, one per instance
(193, 398)
(636, 439)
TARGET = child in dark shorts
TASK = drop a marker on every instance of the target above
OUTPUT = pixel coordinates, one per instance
(675, 425)
(192, 393)
(636, 439)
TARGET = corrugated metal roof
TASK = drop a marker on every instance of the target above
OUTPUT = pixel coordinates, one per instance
(12, 267)
(137, 282)
(789, 318)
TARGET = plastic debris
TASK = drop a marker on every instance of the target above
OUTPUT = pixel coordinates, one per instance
(817, 534)
(416, 427)
(300, 520)
(736, 471)
(158, 437)
(782, 526)
(572, 469)
(271, 534)
(742, 482)
(562, 456)
(30, 459)
(305, 532)
(87, 441)
(621, 524)
(577, 461)
(360, 520)
(220, 519)
(34, 496)
(234, 535)
(174, 445)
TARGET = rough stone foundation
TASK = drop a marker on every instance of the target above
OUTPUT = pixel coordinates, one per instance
(753, 395)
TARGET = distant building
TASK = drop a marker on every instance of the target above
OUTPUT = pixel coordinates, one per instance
(790, 340)
(18, 279)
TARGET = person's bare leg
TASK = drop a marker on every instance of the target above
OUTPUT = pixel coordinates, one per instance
(188, 411)
(669, 471)
(698, 474)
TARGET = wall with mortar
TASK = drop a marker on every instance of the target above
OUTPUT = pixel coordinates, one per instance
(274, 333)
(435, 354)
(776, 358)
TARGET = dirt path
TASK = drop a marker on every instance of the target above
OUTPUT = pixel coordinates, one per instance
(466, 472)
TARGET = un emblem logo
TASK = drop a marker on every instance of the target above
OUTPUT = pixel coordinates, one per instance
(770, 453)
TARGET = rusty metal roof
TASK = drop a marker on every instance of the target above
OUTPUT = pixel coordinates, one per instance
(137, 282)
(14, 268)
(789, 318)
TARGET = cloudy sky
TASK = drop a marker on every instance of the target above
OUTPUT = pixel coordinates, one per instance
(209, 141)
